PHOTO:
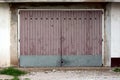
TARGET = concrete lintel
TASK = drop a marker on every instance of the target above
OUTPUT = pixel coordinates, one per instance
(18, 1)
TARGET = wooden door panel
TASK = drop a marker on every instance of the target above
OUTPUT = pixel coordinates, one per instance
(82, 38)
(40, 38)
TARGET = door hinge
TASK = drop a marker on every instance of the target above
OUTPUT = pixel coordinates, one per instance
(102, 12)
(102, 40)
(19, 12)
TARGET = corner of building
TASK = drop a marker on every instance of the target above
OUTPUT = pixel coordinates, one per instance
(4, 35)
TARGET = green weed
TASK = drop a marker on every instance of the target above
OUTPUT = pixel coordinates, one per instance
(116, 70)
(12, 72)
(15, 78)
(26, 79)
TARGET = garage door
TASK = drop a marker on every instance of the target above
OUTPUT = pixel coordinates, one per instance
(60, 38)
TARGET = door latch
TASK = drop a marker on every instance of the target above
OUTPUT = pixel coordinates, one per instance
(61, 61)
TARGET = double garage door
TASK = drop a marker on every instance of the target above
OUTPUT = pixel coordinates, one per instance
(60, 38)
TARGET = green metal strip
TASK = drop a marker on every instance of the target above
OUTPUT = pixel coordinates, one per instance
(82, 60)
(40, 61)
(55, 61)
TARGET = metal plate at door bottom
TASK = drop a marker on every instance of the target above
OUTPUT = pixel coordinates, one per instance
(40, 61)
(82, 60)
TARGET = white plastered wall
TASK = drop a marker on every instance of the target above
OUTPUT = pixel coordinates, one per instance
(4, 35)
(115, 30)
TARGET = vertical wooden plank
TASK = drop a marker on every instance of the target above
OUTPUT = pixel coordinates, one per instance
(21, 33)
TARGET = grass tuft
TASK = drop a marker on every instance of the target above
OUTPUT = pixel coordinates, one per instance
(15, 78)
(116, 70)
(12, 71)
(26, 79)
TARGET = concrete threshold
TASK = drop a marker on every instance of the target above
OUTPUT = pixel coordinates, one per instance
(35, 69)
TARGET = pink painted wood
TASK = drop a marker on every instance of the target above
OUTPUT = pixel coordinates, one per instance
(81, 32)
(60, 32)
(40, 33)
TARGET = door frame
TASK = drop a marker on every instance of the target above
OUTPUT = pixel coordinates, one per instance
(18, 29)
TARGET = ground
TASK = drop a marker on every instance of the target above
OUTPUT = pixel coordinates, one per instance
(72, 75)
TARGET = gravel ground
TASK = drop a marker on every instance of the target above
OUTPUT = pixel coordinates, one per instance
(5, 77)
(73, 75)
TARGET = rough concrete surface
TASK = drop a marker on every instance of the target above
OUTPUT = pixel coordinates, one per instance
(59, 1)
(73, 75)
(5, 77)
